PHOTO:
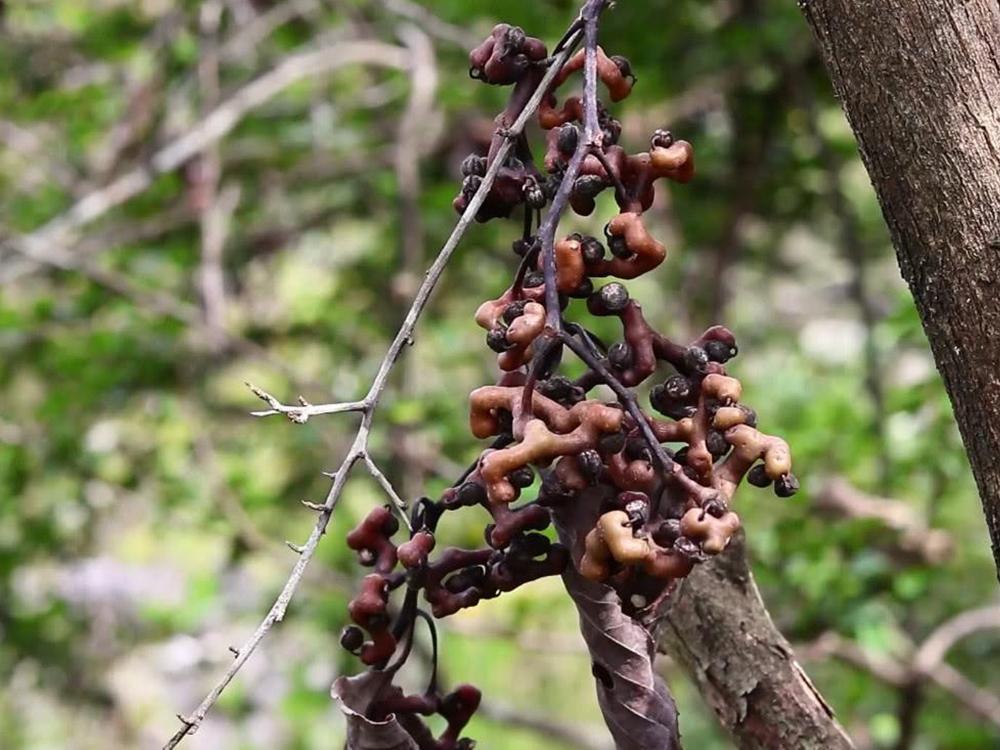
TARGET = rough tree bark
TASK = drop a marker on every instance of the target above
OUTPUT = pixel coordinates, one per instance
(718, 628)
(920, 83)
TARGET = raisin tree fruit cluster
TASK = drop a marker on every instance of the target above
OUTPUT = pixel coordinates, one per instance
(660, 481)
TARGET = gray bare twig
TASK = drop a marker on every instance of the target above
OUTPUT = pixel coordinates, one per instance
(359, 447)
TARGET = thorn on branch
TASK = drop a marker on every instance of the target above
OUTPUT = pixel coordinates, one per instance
(298, 549)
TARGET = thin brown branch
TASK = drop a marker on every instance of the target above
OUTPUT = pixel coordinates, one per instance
(120, 233)
(156, 301)
(413, 142)
(912, 537)
(412, 145)
(936, 646)
(432, 24)
(214, 222)
(881, 666)
(924, 664)
(590, 16)
(970, 696)
(215, 208)
(248, 36)
(207, 131)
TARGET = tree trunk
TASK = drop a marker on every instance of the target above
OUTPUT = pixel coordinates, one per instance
(718, 629)
(920, 83)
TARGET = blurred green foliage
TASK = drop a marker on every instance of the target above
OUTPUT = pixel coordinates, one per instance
(142, 512)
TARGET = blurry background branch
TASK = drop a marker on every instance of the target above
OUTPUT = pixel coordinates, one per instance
(922, 665)
(217, 123)
(911, 537)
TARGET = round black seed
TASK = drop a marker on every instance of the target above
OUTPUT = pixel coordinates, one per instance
(620, 356)
(583, 291)
(717, 444)
(352, 638)
(614, 296)
(623, 65)
(522, 477)
(593, 250)
(661, 139)
(471, 184)
(612, 443)
(533, 544)
(758, 477)
(533, 279)
(514, 310)
(589, 186)
(617, 246)
(473, 165)
(521, 246)
(471, 493)
(695, 359)
(719, 351)
(496, 340)
(677, 387)
(612, 130)
(465, 579)
(591, 464)
(567, 138)
(667, 532)
(636, 449)
(534, 196)
(514, 39)
(560, 388)
(786, 485)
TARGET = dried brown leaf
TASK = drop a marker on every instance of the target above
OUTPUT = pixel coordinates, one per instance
(354, 695)
(637, 706)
